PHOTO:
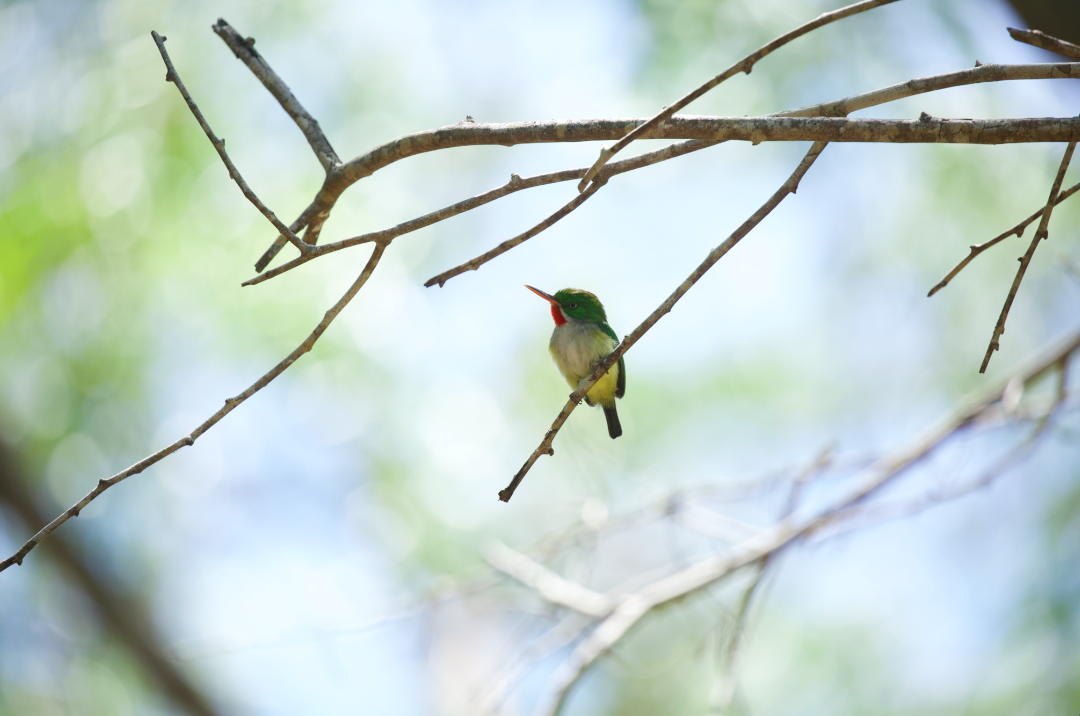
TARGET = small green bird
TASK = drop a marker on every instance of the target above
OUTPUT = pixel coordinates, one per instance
(581, 339)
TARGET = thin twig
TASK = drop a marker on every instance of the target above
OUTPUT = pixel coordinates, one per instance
(516, 183)
(1046, 42)
(1041, 233)
(632, 608)
(922, 85)
(189, 439)
(744, 65)
(788, 187)
(219, 144)
(1017, 231)
(244, 49)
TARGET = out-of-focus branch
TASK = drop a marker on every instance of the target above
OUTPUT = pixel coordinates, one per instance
(1017, 231)
(219, 144)
(1025, 260)
(632, 608)
(244, 49)
(119, 613)
(744, 65)
(189, 439)
(1046, 42)
(546, 583)
(788, 187)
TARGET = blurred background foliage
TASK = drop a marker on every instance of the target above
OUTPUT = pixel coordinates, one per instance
(319, 550)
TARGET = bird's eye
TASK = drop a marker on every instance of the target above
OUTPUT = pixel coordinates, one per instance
(573, 305)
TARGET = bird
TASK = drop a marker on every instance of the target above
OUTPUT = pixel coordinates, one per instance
(581, 339)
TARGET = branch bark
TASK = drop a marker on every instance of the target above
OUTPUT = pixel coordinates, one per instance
(1046, 42)
(244, 49)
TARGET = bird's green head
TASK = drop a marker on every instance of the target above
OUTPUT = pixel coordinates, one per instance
(573, 304)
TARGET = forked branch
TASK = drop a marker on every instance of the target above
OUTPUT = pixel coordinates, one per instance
(1017, 231)
(1025, 260)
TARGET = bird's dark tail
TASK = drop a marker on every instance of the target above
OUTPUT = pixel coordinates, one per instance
(614, 429)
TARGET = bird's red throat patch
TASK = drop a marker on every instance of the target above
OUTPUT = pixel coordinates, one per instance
(556, 313)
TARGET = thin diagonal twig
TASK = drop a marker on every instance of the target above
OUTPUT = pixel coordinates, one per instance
(219, 144)
(1046, 42)
(189, 439)
(744, 65)
(1017, 231)
(788, 187)
(244, 49)
(1025, 260)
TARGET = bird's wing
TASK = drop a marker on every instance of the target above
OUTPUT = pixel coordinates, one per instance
(620, 384)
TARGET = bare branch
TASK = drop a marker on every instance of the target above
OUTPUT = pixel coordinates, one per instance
(707, 572)
(1025, 260)
(1017, 230)
(744, 65)
(244, 49)
(561, 131)
(788, 187)
(922, 85)
(219, 145)
(983, 73)
(117, 609)
(1046, 42)
(189, 439)
(547, 584)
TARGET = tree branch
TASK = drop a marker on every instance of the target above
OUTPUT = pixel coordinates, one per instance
(219, 145)
(744, 65)
(1025, 260)
(473, 134)
(245, 50)
(1046, 42)
(788, 187)
(547, 584)
(189, 439)
(840, 108)
(632, 608)
(1017, 230)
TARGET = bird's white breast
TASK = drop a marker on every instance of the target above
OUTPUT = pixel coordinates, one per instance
(576, 347)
